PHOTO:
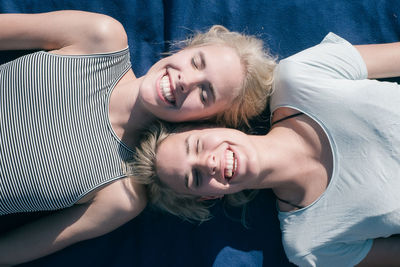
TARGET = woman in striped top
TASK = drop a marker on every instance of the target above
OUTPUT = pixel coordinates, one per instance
(70, 116)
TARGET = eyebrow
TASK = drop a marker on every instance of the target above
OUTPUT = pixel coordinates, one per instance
(202, 59)
(187, 145)
(186, 179)
(210, 86)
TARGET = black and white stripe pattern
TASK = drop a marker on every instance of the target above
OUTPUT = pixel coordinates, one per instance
(56, 142)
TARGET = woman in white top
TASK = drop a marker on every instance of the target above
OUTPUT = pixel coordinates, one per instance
(332, 157)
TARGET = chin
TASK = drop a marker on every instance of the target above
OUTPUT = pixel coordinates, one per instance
(148, 96)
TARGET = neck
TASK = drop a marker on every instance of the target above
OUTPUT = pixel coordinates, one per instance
(126, 112)
(280, 154)
(297, 162)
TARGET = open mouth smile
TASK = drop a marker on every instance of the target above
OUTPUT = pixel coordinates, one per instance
(167, 92)
(230, 164)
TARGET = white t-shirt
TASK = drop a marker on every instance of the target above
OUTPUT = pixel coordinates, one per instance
(361, 119)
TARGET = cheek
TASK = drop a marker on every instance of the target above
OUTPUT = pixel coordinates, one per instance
(216, 188)
(147, 89)
(212, 140)
(144, 90)
(192, 109)
(157, 64)
(192, 103)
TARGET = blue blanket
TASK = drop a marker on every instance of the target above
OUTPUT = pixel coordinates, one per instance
(155, 239)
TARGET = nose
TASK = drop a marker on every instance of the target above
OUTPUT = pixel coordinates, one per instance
(209, 164)
(189, 80)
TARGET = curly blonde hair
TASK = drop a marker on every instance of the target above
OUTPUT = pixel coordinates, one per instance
(258, 67)
(143, 170)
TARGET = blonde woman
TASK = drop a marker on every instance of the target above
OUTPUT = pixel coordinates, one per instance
(332, 157)
(71, 115)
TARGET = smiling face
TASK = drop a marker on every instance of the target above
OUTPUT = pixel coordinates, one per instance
(207, 162)
(195, 83)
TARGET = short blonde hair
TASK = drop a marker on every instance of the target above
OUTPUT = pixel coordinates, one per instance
(258, 67)
(143, 170)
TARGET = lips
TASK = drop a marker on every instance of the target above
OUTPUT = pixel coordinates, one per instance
(230, 164)
(166, 90)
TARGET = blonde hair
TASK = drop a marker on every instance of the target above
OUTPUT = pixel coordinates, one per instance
(143, 170)
(258, 67)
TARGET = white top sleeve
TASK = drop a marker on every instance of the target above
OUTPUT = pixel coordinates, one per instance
(334, 57)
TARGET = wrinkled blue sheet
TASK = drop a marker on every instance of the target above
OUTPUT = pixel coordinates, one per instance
(154, 239)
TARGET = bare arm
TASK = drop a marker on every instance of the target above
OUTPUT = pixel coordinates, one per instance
(382, 60)
(385, 252)
(113, 206)
(71, 32)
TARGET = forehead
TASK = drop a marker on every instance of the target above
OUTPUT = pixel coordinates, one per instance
(224, 69)
(170, 157)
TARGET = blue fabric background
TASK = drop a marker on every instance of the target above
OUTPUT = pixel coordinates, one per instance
(287, 27)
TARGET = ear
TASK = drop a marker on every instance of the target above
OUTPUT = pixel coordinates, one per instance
(210, 197)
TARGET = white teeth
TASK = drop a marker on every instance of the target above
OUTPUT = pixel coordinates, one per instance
(166, 89)
(231, 163)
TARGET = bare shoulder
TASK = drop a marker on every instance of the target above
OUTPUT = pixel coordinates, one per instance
(91, 33)
(106, 34)
(123, 195)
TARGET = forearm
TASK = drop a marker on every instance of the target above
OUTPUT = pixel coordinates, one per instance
(112, 206)
(42, 237)
(382, 60)
(384, 252)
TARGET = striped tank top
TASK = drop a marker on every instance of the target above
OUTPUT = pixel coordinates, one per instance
(56, 141)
